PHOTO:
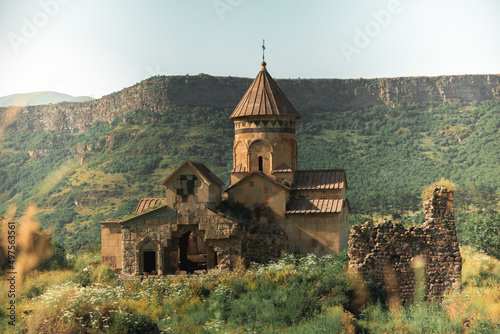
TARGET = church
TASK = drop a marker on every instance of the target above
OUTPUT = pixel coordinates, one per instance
(290, 210)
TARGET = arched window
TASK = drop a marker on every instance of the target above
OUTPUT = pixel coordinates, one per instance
(259, 158)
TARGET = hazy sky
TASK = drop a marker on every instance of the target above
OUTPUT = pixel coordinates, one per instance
(90, 47)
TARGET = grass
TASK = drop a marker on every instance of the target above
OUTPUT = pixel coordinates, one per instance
(61, 173)
(428, 191)
(332, 136)
(300, 295)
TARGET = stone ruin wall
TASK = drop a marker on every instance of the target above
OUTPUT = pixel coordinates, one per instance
(261, 241)
(377, 252)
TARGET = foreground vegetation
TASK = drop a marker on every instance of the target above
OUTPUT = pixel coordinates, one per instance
(308, 294)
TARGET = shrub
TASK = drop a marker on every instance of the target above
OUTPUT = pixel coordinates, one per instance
(57, 260)
(133, 324)
(89, 270)
(483, 233)
(428, 191)
(68, 308)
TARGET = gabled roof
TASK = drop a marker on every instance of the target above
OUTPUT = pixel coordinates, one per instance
(262, 175)
(146, 214)
(315, 205)
(264, 98)
(203, 170)
(319, 179)
(147, 203)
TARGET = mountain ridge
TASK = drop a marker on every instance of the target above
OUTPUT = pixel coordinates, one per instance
(160, 92)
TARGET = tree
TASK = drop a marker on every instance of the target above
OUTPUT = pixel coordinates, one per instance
(57, 260)
(483, 232)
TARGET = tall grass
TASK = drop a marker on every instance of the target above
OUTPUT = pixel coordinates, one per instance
(300, 295)
(475, 308)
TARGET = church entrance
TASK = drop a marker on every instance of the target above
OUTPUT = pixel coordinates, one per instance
(149, 261)
(187, 254)
(192, 253)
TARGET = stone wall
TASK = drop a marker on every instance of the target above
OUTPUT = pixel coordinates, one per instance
(222, 235)
(377, 252)
(264, 241)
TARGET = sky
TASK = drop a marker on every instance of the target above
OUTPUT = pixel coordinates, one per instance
(94, 48)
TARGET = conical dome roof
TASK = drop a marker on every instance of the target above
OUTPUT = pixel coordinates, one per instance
(264, 98)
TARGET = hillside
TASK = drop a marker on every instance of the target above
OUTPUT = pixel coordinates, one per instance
(37, 98)
(158, 93)
(85, 162)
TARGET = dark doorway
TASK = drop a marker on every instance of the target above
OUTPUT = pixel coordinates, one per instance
(261, 164)
(256, 213)
(149, 262)
(192, 253)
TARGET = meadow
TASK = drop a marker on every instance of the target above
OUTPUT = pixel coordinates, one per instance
(298, 294)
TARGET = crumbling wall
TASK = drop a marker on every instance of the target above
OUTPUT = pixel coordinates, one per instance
(264, 241)
(380, 251)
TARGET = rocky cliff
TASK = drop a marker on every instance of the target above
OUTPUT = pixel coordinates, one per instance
(157, 93)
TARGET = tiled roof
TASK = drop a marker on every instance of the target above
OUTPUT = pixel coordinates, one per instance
(319, 179)
(283, 168)
(314, 205)
(264, 98)
(239, 169)
(147, 203)
(262, 175)
(204, 171)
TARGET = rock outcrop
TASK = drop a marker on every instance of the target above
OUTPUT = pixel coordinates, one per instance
(158, 93)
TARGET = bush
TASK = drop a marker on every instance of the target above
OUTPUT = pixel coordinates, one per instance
(133, 324)
(483, 233)
(67, 308)
(427, 193)
(99, 274)
(57, 260)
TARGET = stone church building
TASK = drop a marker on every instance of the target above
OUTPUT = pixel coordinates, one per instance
(291, 210)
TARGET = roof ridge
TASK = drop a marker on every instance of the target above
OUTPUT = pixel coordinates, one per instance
(206, 173)
(268, 90)
(269, 178)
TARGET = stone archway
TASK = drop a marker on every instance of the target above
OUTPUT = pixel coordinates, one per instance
(188, 252)
(192, 253)
(149, 257)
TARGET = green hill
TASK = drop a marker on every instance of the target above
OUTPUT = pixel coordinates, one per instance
(86, 162)
(36, 98)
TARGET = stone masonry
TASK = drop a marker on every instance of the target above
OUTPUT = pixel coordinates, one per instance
(377, 250)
